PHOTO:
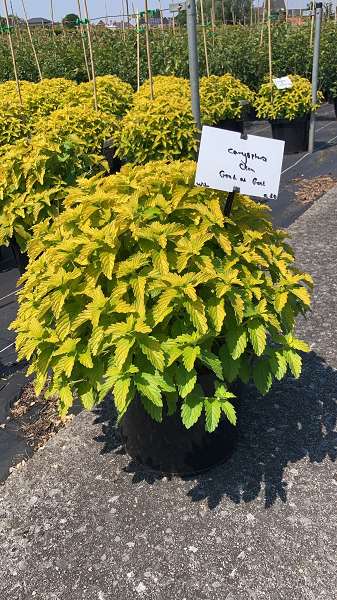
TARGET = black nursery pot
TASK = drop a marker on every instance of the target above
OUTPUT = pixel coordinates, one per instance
(109, 153)
(169, 447)
(294, 133)
(231, 125)
(21, 258)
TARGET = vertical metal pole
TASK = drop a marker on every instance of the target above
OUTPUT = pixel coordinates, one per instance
(193, 59)
(314, 81)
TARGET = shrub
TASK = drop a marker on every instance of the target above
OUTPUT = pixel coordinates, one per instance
(35, 174)
(157, 129)
(164, 85)
(114, 96)
(141, 281)
(223, 97)
(286, 104)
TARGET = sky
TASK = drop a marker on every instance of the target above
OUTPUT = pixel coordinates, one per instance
(97, 8)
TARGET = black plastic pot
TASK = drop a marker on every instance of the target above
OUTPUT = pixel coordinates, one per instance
(231, 125)
(21, 258)
(169, 447)
(109, 152)
(294, 133)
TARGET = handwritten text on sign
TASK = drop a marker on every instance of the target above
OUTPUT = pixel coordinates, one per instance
(227, 161)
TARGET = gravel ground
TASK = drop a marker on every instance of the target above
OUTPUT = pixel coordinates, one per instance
(80, 521)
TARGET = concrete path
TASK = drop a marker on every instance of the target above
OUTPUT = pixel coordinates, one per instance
(81, 522)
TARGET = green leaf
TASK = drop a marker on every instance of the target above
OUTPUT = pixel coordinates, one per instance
(152, 350)
(238, 306)
(230, 367)
(213, 412)
(262, 376)
(196, 313)
(185, 380)
(222, 392)
(121, 392)
(295, 362)
(244, 372)
(190, 354)
(212, 362)
(88, 399)
(146, 386)
(278, 364)
(154, 411)
(258, 337)
(191, 408)
(216, 310)
(229, 411)
(122, 351)
(280, 301)
(236, 340)
(303, 294)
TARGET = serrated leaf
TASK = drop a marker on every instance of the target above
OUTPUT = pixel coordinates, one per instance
(262, 376)
(121, 392)
(108, 263)
(213, 413)
(295, 362)
(146, 386)
(196, 312)
(66, 400)
(258, 337)
(152, 350)
(191, 408)
(185, 380)
(190, 354)
(222, 392)
(245, 370)
(163, 307)
(278, 364)
(236, 340)
(280, 301)
(171, 400)
(122, 349)
(229, 411)
(238, 306)
(224, 243)
(216, 309)
(153, 410)
(212, 362)
(88, 399)
(303, 294)
(85, 359)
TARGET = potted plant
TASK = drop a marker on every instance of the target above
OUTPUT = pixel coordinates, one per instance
(288, 111)
(157, 129)
(36, 173)
(142, 288)
(224, 102)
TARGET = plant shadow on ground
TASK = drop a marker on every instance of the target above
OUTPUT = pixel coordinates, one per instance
(296, 420)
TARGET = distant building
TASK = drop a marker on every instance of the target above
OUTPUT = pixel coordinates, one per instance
(39, 22)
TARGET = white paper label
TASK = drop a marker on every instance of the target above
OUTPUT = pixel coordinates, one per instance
(227, 161)
(283, 83)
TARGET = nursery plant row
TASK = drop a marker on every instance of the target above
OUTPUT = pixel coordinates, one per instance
(241, 51)
(137, 283)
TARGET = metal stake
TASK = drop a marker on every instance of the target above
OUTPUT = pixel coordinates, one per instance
(314, 81)
(193, 59)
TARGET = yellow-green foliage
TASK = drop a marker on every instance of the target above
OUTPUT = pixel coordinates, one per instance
(221, 98)
(286, 104)
(35, 173)
(38, 99)
(164, 85)
(157, 129)
(141, 280)
(114, 96)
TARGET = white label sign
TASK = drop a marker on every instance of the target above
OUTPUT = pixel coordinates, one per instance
(227, 161)
(283, 83)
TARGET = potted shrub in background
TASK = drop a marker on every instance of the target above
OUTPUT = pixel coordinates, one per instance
(142, 288)
(36, 173)
(333, 96)
(224, 102)
(157, 129)
(288, 111)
